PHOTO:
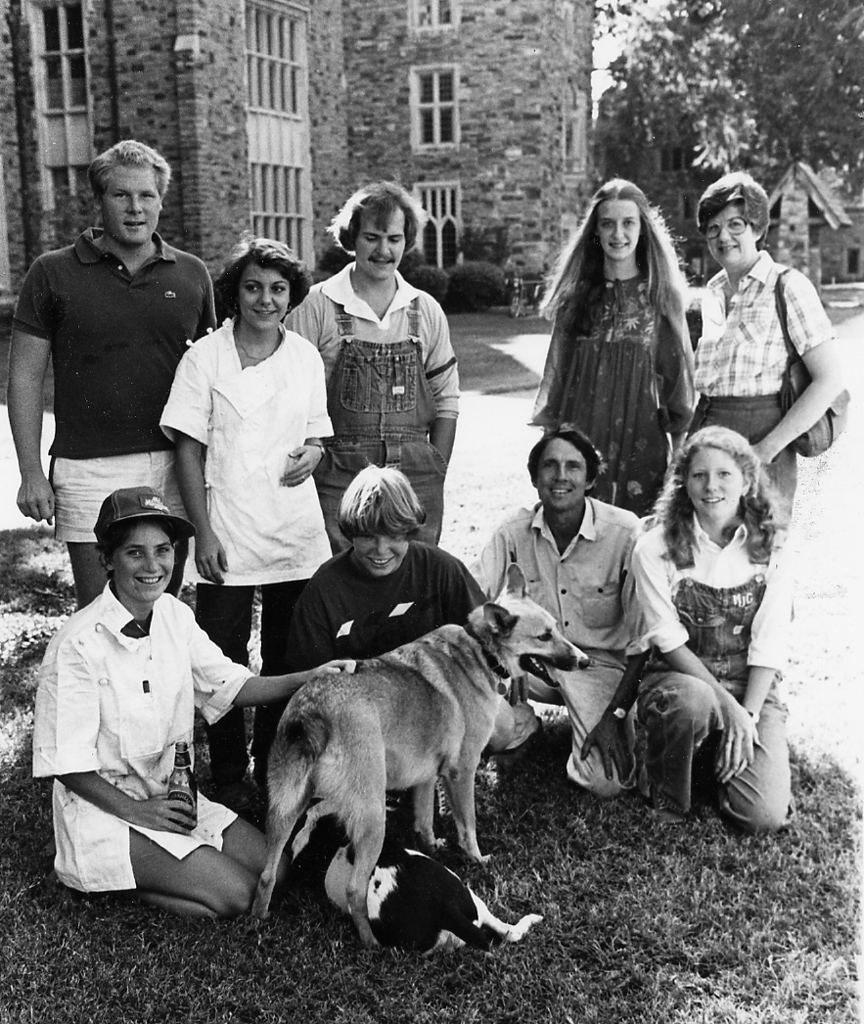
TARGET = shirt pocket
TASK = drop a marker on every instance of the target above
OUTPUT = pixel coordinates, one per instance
(601, 605)
(142, 726)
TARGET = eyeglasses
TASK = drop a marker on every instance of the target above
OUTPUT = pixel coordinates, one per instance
(735, 226)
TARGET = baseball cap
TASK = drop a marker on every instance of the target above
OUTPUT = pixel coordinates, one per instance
(137, 503)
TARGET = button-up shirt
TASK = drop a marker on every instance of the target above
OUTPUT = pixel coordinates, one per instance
(741, 352)
(116, 705)
(657, 578)
(585, 586)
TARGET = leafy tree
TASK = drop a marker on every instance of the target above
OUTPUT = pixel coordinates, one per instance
(745, 83)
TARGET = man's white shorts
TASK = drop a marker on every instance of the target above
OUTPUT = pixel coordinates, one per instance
(81, 485)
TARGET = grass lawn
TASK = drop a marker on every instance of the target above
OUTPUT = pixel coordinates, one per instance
(642, 922)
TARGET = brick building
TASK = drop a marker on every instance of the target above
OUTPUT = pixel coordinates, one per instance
(271, 111)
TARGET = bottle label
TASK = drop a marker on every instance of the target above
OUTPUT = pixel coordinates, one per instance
(184, 796)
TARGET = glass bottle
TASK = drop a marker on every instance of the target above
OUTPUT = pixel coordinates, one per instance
(181, 782)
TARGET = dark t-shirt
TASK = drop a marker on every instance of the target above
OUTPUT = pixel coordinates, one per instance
(115, 340)
(345, 613)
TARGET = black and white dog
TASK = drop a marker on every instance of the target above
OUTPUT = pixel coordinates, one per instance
(414, 902)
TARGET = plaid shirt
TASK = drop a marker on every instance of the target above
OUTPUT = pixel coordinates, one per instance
(741, 352)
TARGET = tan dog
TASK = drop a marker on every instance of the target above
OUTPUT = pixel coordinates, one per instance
(400, 721)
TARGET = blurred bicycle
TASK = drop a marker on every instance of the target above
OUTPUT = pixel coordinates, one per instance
(525, 293)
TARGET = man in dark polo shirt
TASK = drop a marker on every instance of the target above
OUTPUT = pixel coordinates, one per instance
(114, 312)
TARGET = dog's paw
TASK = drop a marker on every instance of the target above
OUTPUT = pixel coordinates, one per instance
(261, 909)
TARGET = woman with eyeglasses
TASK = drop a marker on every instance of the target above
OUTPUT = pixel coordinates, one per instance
(620, 361)
(741, 355)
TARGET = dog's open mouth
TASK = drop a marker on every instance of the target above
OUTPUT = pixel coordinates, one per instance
(537, 667)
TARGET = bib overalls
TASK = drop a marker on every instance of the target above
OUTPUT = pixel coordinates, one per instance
(382, 410)
(680, 712)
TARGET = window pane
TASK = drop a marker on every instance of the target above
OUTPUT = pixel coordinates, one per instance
(81, 181)
(60, 182)
(445, 86)
(281, 203)
(74, 27)
(54, 83)
(51, 20)
(430, 243)
(293, 100)
(445, 15)
(446, 124)
(449, 251)
(77, 82)
(427, 89)
(427, 127)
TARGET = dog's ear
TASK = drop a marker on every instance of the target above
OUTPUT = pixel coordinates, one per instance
(515, 582)
(498, 620)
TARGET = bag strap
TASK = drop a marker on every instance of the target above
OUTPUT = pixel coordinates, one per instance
(792, 355)
(780, 305)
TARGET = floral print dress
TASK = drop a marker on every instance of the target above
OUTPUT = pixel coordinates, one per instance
(628, 384)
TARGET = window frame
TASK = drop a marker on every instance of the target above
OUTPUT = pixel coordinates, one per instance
(280, 191)
(418, 107)
(436, 25)
(65, 121)
(451, 209)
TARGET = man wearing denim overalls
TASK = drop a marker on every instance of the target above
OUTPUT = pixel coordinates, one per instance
(392, 382)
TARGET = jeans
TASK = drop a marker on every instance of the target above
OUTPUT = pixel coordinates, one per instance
(417, 458)
(225, 615)
(681, 715)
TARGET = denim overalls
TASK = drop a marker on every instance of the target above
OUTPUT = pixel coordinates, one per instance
(680, 712)
(382, 410)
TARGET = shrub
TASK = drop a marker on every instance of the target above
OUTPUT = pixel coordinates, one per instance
(424, 276)
(475, 286)
(331, 261)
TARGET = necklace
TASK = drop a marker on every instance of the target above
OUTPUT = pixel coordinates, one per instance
(253, 358)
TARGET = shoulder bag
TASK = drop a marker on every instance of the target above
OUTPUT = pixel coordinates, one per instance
(796, 379)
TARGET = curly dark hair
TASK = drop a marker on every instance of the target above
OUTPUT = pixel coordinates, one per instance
(263, 252)
(674, 510)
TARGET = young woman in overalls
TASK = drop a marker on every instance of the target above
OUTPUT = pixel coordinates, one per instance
(716, 594)
(392, 382)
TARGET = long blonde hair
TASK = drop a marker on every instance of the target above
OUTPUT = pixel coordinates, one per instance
(577, 278)
(674, 510)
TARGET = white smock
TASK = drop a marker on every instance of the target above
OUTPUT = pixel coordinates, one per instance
(94, 713)
(250, 419)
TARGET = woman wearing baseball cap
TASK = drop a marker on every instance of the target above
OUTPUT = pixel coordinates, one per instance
(118, 688)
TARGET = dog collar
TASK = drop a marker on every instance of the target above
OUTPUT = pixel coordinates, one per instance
(495, 664)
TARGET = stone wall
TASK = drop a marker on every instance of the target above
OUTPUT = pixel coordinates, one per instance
(513, 63)
(172, 74)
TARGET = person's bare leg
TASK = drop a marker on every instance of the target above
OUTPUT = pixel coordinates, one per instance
(181, 552)
(88, 572)
(206, 883)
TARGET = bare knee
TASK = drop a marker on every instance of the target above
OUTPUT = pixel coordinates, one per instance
(234, 900)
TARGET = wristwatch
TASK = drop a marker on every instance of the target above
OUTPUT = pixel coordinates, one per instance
(619, 713)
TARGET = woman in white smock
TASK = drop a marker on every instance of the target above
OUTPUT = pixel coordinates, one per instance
(247, 410)
(118, 689)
